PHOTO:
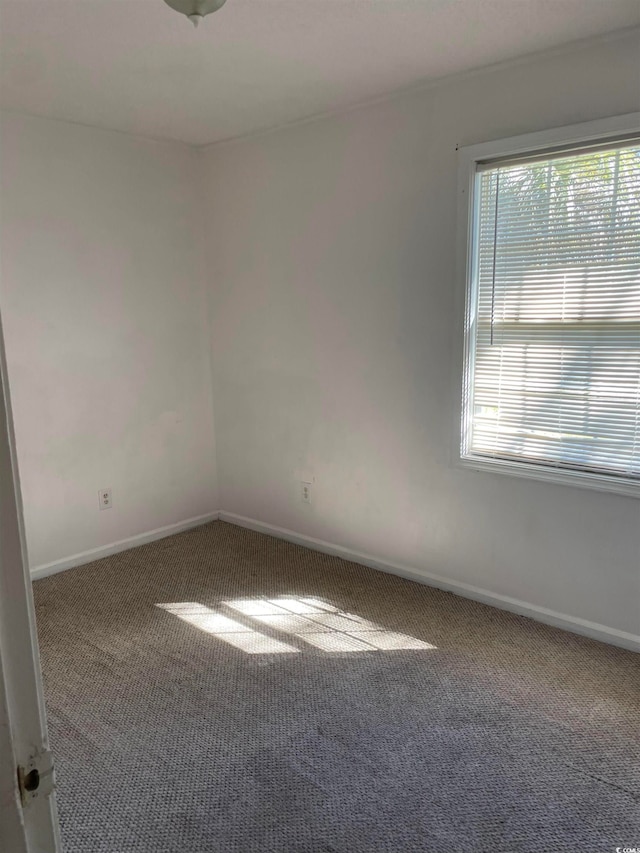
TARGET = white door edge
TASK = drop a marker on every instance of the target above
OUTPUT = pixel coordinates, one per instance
(33, 827)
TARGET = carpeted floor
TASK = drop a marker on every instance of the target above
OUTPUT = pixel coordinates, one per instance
(290, 702)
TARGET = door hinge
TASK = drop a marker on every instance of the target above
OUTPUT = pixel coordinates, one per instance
(36, 779)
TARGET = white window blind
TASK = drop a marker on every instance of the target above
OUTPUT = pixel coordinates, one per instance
(553, 348)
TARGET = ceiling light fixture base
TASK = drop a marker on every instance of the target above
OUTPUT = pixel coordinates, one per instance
(195, 10)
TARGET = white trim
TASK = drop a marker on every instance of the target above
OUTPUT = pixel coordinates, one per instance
(159, 140)
(549, 474)
(528, 143)
(468, 158)
(541, 614)
(24, 718)
(426, 85)
(122, 545)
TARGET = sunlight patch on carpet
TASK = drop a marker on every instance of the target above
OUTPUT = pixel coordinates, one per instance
(323, 626)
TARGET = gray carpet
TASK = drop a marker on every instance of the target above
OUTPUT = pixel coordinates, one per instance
(282, 708)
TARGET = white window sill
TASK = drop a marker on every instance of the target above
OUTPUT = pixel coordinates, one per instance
(549, 474)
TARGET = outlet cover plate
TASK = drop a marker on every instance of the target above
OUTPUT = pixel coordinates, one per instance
(104, 499)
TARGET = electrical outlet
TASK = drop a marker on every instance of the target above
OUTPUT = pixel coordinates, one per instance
(104, 498)
(305, 493)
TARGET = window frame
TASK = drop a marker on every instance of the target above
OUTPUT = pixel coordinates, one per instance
(555, 140)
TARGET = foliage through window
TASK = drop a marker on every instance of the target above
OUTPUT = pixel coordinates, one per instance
(553, 322)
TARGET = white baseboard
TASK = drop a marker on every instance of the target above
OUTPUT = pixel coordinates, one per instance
(541, 614)
(123, 545)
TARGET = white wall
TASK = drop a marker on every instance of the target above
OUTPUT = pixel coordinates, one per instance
(103, 304)
(332, 259)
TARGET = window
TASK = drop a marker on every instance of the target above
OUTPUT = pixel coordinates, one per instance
(552, 355)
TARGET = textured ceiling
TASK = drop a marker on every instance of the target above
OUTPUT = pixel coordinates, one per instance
(138, 66)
